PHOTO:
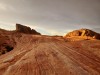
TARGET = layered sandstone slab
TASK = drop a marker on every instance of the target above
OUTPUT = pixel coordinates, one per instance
(48, 55)
(26, 29)
(45, 55)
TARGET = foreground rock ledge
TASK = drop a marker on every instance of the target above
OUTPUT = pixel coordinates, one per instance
(47, 55)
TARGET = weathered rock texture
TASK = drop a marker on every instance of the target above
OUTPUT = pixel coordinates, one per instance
(25, 29)
(7, 38)
(7, 42)
(83, 33)
(47, 55)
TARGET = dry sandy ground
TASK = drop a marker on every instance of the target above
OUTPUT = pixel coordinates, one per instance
(45, 55)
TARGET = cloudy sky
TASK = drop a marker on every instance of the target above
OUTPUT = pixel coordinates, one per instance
(50, 16)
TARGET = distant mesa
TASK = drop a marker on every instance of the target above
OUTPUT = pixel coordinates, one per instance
(25, 29)
(83, 33)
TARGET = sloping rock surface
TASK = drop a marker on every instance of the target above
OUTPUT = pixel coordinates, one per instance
(7, 41)
(45, 55)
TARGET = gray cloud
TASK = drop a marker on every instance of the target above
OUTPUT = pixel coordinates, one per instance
(52, 15)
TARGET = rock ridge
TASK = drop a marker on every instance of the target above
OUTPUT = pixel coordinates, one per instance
(83, 33)
(26, 29)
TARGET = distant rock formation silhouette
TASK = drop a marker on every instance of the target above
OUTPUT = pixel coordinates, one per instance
(25, 29)
(83, 32)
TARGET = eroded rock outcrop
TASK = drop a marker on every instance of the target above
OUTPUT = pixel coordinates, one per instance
(25, 29)
(7, 41)
(7, 38)
(83, 33)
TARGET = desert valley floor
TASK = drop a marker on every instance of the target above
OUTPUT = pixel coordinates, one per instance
(46, 55)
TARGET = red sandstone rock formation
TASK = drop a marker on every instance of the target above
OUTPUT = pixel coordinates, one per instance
(83, 33)
(47, 55)
(7, 41)
(25, 29)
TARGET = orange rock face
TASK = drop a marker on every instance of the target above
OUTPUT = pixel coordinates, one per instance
(83, 33)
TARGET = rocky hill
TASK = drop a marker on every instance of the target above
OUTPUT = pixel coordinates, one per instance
(83, 33)
(47, 55)
(7, 38)
(25, 29)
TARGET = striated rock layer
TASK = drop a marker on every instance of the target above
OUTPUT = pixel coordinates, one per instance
(7, 40)
(47, 55)
(43, 55)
